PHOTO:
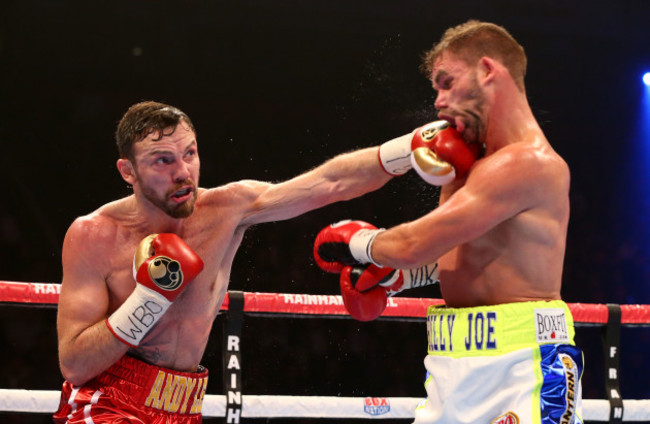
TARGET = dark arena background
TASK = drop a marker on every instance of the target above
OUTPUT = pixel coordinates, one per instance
(275, 88)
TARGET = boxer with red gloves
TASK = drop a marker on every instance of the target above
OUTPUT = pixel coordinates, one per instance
(498, 233)
(163, 266)
(436, 151)
(112, 337)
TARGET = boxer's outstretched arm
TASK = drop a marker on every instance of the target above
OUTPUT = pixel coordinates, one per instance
(353, 174)
(344, 177)
(86, 346)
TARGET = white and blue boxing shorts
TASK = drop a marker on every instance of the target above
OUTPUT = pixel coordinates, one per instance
(513, 363)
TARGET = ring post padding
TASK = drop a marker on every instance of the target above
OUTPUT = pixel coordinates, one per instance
(611, 343)
(231, 358)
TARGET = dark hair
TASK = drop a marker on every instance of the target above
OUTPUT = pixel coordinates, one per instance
(473, 40)
(145, 118)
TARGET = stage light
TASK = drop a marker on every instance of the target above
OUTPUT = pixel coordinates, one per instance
(646, 79)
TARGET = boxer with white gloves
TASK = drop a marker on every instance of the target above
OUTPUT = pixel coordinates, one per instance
(163, 265)
(436, 151)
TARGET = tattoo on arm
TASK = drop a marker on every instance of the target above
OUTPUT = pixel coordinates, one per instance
(150, 354)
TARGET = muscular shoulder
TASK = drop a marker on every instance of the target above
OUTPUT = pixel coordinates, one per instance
(520, 177)
(241, 192)
(240, 198)
(92, 237)
(529, 166)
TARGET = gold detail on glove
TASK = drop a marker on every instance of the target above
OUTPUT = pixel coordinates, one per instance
(144, 251)
(429, 162)
(430, 131)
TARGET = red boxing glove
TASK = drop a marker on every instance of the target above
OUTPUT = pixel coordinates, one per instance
(440, 154)
(166, 264)
(344, 243)
(163, 266)
(362, 295)
(365, 289)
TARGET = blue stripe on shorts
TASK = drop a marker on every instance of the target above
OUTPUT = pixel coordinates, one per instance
(560, 387)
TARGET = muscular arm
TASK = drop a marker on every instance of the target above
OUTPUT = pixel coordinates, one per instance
(344, 177)
(86, 346)
(499, 188)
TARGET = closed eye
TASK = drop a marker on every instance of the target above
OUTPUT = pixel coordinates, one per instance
(442, 81)
(445, 83)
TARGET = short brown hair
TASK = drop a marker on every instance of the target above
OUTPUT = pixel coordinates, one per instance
(144, 118)
(475, 39)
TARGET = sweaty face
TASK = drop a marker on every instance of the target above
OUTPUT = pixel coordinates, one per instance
(167, 171)
(461, 99)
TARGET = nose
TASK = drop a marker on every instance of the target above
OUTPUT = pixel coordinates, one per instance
(182, 172)
(441, 100)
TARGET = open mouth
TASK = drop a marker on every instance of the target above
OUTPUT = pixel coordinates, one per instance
(457, 124)
(450, 119)
(182, 194)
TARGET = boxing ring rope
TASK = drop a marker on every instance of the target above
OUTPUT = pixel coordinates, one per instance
(235, 404)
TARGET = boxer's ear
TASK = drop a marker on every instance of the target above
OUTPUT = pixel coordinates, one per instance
(487, 69)
(127, 170)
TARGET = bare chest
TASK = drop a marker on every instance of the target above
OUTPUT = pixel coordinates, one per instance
(216, 245)
(504, 265)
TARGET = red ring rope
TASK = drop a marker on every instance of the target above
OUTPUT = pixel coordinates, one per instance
(307, 304)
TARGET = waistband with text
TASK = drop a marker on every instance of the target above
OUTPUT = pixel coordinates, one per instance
(497, 329)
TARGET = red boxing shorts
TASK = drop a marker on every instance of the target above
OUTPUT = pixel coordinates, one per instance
(136, 392)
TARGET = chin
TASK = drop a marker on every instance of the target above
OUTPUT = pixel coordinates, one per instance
(178, 214)
(182, 211)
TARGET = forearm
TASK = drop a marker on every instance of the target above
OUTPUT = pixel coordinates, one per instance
(353, 174)
(405, 247)
(89, 353)
(343, 177)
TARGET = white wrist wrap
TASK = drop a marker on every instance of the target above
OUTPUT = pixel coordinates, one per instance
(137, 315)
(420, 277)
(391, 279)
(395, 155)
(361, 245)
